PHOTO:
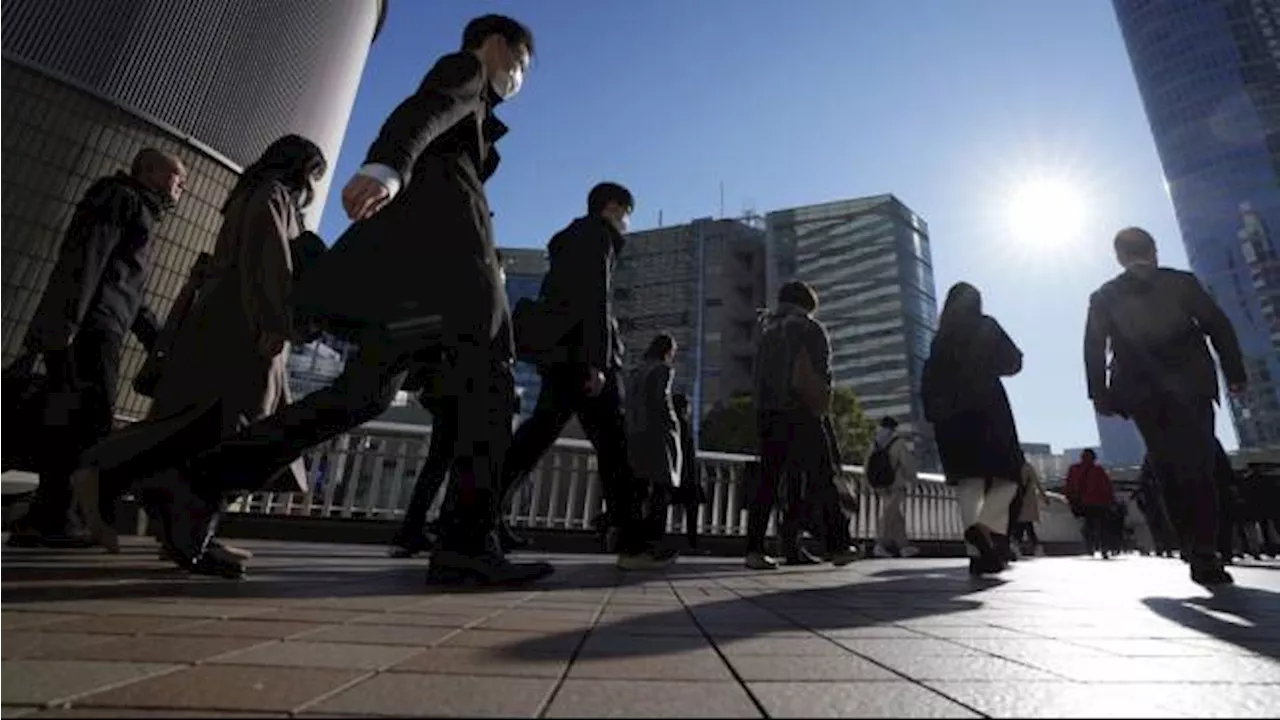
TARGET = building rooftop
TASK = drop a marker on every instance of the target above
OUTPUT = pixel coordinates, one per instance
(340, 630)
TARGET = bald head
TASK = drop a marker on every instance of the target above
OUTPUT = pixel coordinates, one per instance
(1135, 246)
(160, 171)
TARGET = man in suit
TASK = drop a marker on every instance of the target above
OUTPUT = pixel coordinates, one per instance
(1155, 320)
(581, 366)
(94, 299)
(416, 273)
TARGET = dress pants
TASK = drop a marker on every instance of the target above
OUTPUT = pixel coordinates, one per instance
(795, 450)
(561, 397)
(893, 520)
(435, 470)
(1180, 440)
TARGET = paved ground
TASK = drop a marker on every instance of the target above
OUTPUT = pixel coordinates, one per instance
(330, 630)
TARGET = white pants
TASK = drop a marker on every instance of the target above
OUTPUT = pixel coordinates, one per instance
(982, 506)
(893, 521)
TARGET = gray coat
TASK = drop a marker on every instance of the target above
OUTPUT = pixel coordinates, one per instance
(653, 430)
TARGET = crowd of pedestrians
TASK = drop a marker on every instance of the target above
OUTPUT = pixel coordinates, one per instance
(416, 284)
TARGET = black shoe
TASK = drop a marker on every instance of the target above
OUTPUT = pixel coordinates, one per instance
(216, 562)
(983, 566)
(449, 567)
(1210, 573)
(984, 541)
(650, 560)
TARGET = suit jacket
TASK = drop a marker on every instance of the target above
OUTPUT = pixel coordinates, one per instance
(1154, 320)
(577, 294)
(425, 265)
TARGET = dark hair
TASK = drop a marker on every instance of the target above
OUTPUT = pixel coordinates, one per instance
(661, 344)
(1089, 452)
(889, 423)
(608, 192)
(799, 293)
(149, 160)
(293, 160)
(1134, 243)
(963, 306)
(512, 31)
(680, 402)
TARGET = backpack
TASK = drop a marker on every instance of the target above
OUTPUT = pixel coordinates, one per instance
(879, 470)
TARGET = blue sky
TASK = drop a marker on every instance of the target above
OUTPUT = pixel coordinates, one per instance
(952, 105)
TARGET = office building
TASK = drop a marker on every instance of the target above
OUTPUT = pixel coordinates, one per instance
(1208, 72)
(869, 260)
(702, 282)
(1121, 443)
(525, 269)
(88, 84)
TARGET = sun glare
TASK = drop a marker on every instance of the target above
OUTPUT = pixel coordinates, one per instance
(1047, 213)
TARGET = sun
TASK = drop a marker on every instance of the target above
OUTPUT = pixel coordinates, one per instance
(1047, 213)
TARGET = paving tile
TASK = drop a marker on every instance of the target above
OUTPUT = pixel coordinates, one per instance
(990, 632)
(411, 694)
(855, 700)
(871, 632)
(154, 649)
(807, 668)
(517, 643)
(648, 629)
(483, 661)
(33, 644)
(1217, 701)
(265, 629)
(1146, 648)
(1063, 700)
(123, 624)
(18, 619)
(416, 619)
(779, 646)
(319, 655)
(887, 648)
(1220, 668)
(101, 712)
(619, 698)
(308, 615)
(36, 682)
(535, 621)
(964, 667)
(376, 635)
(13, 711)
(688, 665)
(227, 687)
(186, 610)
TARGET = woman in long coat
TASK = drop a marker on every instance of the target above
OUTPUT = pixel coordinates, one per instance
(964, 398)
(227, 364)
(653, 431)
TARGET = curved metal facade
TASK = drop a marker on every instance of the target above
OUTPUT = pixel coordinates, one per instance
(88, 84)
(1209, 75)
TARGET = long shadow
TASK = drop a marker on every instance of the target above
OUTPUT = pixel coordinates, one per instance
(905, 595)
(35, 576)
(1260, 609)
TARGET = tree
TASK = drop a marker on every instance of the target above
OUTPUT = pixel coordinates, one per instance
(731, 426)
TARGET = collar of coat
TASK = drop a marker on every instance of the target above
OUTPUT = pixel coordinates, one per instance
(155, 202)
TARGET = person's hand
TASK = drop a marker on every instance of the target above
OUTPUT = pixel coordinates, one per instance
(595, 382)
(363, 196)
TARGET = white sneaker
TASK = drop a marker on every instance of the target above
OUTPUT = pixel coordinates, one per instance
(881, 551)
(760, 561)
(909, 551)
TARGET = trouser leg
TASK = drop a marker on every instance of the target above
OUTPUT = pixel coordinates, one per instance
(1179, 436)
(602, 421)
(537, 434)
(772, 455)
(444, 437)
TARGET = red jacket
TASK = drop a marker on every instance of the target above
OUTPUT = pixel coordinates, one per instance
(1089, 485)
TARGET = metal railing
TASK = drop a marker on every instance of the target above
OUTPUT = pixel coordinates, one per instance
(369, 474)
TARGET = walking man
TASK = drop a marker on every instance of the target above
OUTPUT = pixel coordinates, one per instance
(93, 300)
(416, 272)
(1154, 320)
(891, 471)
(580, 361)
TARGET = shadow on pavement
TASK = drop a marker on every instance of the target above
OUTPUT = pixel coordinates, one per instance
(1254, 614)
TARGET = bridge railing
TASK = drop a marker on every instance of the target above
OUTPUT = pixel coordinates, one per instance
(369, 473)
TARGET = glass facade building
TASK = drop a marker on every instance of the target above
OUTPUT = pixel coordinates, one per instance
(525, 269)
(869, 260)
(1208, 72)
(86, 85)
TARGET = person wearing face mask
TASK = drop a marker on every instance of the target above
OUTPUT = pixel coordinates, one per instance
(414, 273)
(575, 344)
(226, 357)
(94, 299)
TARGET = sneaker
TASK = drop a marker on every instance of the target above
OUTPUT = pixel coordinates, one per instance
(802, 557)
(909, 551)
(760, 561)
(843, 557)
(648, 561)
(881, 551)
(491, 567)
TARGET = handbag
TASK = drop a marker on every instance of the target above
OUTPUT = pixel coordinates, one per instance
(34, 408)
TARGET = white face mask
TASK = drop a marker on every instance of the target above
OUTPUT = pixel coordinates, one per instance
(508, 83)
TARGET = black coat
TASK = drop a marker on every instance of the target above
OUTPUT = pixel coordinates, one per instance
(1155, 321)
(425, 264)
(577, 295)
(979, 439)
(101, 271)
